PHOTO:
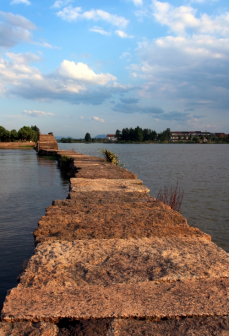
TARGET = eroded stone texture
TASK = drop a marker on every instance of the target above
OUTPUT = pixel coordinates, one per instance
(98, 327)
(104, 171)
(115, 185)
(106, 262)
(28, 329)
(102, 197)
(106, 221)
(203, 297)
(196, 326)
(98, 196)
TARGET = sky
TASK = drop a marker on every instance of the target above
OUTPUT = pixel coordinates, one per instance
(73, 66)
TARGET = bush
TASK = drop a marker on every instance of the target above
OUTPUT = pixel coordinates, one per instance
(111, 157)
(172, 196)
(64, 161)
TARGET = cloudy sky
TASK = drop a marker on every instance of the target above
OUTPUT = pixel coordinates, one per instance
(73, 66)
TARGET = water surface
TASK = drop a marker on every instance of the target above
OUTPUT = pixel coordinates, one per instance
(28, 185)
(200, 169)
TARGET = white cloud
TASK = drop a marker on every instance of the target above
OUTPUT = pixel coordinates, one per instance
(17, 69)
(137, 2)
(97, 119)
(183, 18)
(71, 82)
(99, 30)
(60, 3)
(190, 69)
(122, 34)
(14, 30)
(126, 55)
(35, 113)
(81, 117)
(25, 2)
(83, 73)
(75, 13)
(202, 1)
(18, 21)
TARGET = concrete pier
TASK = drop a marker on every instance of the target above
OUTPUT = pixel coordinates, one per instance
(112, 261)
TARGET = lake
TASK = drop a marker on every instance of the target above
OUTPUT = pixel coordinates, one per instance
(30, 183)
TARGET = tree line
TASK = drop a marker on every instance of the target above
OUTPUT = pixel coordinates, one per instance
(141, 135)
(24, 133)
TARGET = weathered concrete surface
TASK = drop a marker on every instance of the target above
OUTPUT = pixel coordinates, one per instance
(104, 171)
(115, 185)
(46, 141)
(202, 326)
(107, 196)
(28, 328)
(203, 297)
(107, 262)
(106, 221)
(98, 327)
(103, 198)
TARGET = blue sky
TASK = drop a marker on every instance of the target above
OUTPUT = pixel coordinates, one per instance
(73, 67)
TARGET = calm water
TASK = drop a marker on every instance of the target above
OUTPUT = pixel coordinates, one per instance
(201, 170)
(30, 183)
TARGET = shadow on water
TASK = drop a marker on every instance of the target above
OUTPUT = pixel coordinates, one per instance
(29, 184)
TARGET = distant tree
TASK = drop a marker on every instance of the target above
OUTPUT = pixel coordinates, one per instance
(26, 133)
(165, 135)
(118, 135)
(196, 139)
(4, 134)
(138, 134)
(36, 129)
(14, 135)
(87, 137)
(125, 134)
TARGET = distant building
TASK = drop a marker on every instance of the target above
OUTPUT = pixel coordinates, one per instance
(111, 137)
(176, 136)
(221, 135)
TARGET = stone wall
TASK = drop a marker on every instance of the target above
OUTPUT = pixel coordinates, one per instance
(46, 141)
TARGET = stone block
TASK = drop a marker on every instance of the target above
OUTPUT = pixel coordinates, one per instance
(28, 329)
(108, 262)
(196, 326)
(103, 171)
(199, 298)
(114, 220)
(115, 185)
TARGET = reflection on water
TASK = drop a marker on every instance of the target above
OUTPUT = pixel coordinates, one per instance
(28, 185)
(201, 170)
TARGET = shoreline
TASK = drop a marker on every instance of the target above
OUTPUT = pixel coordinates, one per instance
(17, 145)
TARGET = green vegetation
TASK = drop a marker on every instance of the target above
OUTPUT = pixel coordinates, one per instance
(25, 133)
(136, 135)
(111, 157)
(93, 140)
(64, 162)
(50, 157)
(87, 137)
